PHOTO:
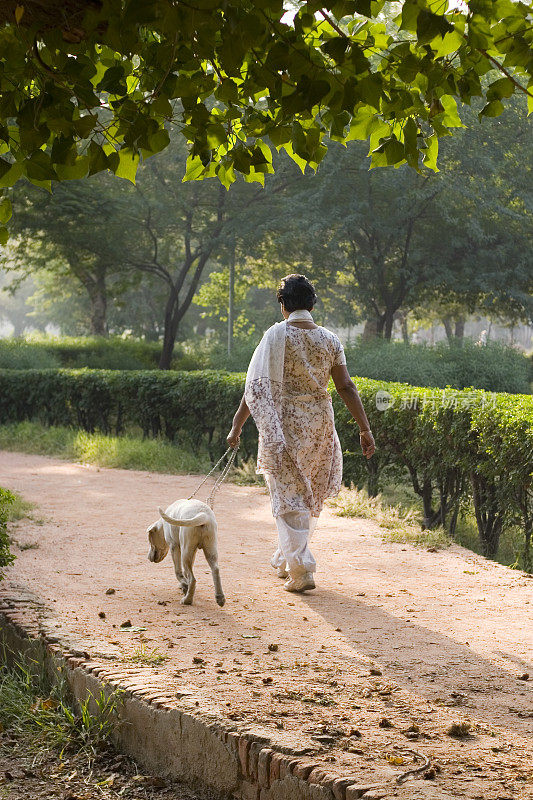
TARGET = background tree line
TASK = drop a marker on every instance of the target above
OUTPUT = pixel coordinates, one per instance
(155, 259)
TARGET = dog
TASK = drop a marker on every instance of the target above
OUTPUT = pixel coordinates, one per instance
(185, 527)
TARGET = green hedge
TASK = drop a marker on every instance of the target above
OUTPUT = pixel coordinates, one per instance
(79, 352)
(6, 500)
(192, 406)
(496, 367)
(455, 446)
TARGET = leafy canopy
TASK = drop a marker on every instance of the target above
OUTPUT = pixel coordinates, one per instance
(103, 85)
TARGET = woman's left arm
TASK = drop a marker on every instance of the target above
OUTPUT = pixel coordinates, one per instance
(243, 412)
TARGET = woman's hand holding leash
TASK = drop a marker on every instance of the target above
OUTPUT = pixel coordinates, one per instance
(234, 437)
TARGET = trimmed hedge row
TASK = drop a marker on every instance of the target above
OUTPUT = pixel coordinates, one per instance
(79, 352)
(6, 557)
(495, 367)
(455, 446)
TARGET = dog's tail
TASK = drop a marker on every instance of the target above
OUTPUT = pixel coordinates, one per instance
(200, 519)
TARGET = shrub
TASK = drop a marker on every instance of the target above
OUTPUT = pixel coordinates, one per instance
(496, 367)
(453, 445)
(18, 354)
(79, 352)
(6, 500)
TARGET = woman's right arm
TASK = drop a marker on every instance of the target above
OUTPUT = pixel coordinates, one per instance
(243, 412)
(348, 392)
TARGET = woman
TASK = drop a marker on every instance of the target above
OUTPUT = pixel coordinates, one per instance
(299, 451)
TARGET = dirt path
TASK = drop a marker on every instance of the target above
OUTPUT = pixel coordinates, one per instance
(395, 645)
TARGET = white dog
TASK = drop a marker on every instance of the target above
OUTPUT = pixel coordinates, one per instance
(185, 527)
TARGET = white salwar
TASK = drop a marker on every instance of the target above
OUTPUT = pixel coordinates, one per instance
(299, 452)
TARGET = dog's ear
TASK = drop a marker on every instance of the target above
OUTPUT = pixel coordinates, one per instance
(156, 535)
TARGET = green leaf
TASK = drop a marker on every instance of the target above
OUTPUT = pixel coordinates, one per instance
(69, 172)
(125, 165)
(504, 87)
(492, 109)
(361, 124)
(336, 48)
(6, 210)
(451, 116)
(301, 162)
(194, 169)
(4, 236)
(429, 26)
(389, 152)
(39, 167)
(97, 159)
(10, 173)
(158, 141)
(431, 152)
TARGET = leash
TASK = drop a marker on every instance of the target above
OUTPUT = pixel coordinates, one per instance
(221, 478)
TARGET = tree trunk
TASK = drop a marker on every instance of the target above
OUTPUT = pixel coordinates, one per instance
(169, 335)
(405, 332)
(448, 328)
(370, 330)
(387, 325)
(19, 326)
(489, 516)
(98, 299)
(93, 280)
(459, 331)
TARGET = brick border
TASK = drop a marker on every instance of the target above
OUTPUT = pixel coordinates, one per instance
(170, 734)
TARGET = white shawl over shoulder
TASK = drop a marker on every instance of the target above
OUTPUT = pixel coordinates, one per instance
(263, 394)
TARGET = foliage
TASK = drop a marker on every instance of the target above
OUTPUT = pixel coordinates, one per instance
(124, 452)
(18, 354)
(76, 352)
(33, 706)
(7, 499)
(446, 441)
(382, 243)
(495, 367)
(400, 524)
(96, 89)
(431, 436)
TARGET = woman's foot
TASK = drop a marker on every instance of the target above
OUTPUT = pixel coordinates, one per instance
(300, 583)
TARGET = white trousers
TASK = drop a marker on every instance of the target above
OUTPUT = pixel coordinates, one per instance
(294, 531)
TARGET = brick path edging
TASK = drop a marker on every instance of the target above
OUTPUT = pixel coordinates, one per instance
(170, 739)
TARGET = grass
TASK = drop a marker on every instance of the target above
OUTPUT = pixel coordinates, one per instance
(245, 474)
(400, 522)
(150, 658)
(126, 452)
(39, 711)
(19, 509)
(397, 510)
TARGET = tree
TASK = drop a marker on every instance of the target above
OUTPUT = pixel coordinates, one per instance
(390, 241)
(94, 89)
(75, 232)
(15, 303)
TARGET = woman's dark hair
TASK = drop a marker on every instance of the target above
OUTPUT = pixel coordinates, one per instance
(296, 292)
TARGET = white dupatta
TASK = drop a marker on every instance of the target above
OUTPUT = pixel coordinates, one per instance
(264, 392)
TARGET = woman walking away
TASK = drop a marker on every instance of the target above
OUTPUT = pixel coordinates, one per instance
(299, 451)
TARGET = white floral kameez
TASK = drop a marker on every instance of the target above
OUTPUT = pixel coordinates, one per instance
(299, 450)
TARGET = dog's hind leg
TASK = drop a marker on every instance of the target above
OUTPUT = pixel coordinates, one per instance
(175, 552)
(188, 553)
(212, 559)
